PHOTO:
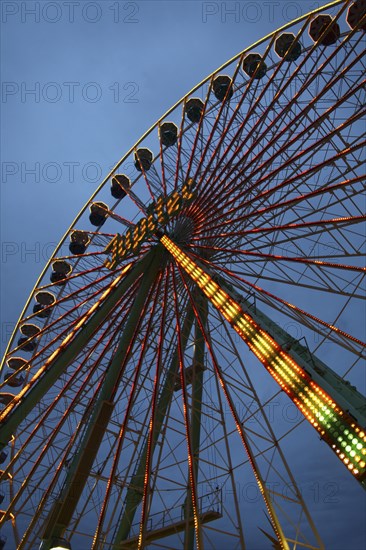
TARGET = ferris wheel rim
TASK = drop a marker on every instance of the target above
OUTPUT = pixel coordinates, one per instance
(156, 124)
(177, 289)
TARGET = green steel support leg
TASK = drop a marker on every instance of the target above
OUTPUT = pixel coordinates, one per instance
(135, 491)
(197, 389)
(13, 415)
(77, 476)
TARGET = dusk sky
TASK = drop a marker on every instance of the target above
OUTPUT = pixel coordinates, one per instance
(81, 82)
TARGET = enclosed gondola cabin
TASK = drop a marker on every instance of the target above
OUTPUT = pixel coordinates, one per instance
(16, 363)
(14, 381)
(324, 30)
(194, 109)
(222, 86)
(287, 47)
(143, 159)
(98, 213)
(40, 312)
(44, 300)
(168, 134)
(79, 241)
(28, 342)
(6, 398)
(254, 66)
(120, 184)
(357, 12)
(61, 270)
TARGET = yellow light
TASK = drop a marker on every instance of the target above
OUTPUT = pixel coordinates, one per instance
(316, 405)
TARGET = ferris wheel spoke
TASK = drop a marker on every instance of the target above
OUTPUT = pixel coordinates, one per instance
(288, 279)
(127, 414)
(147, 498)
(144, 173)
(65, 416)
(103, 408)
(272, 514)
(264, 257)
(292, 120)
(220, 123)
(133, 497)
(192, 501)
(48, 375)
(225, 127)
(71, 384)
(321, 279)
(239, 521)
(290, 230)
(135, 200)
(317, 271)
(333, 332)
(196, 137)
(111, 335)
(330, 188)
(272, 174)
(340, 157)
(225, 133)
(253, 238)
(260, 216)
(231, 311)
(198, 162)
(160, 409)
(295, 182)
(241, 222)
(54, 332)
(316, 276)
(164, 152)
(226, 436)
(294, 233)
(318, 245)
(270, 436)
(264, 195)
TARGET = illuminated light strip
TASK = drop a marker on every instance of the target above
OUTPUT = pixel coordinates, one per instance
(159, 213)
(342, 433)
(17, 398)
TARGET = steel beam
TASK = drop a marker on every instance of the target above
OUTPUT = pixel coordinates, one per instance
(69, 349)
(135, 490)
(196, 411)
(81, 464)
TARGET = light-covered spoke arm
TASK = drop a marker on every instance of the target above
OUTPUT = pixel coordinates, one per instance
(308, 382)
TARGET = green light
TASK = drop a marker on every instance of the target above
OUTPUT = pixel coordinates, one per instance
(328, 418)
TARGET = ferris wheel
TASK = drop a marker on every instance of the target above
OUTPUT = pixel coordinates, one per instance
(186, 300)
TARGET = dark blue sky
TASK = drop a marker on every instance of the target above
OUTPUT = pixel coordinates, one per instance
(80, 83)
